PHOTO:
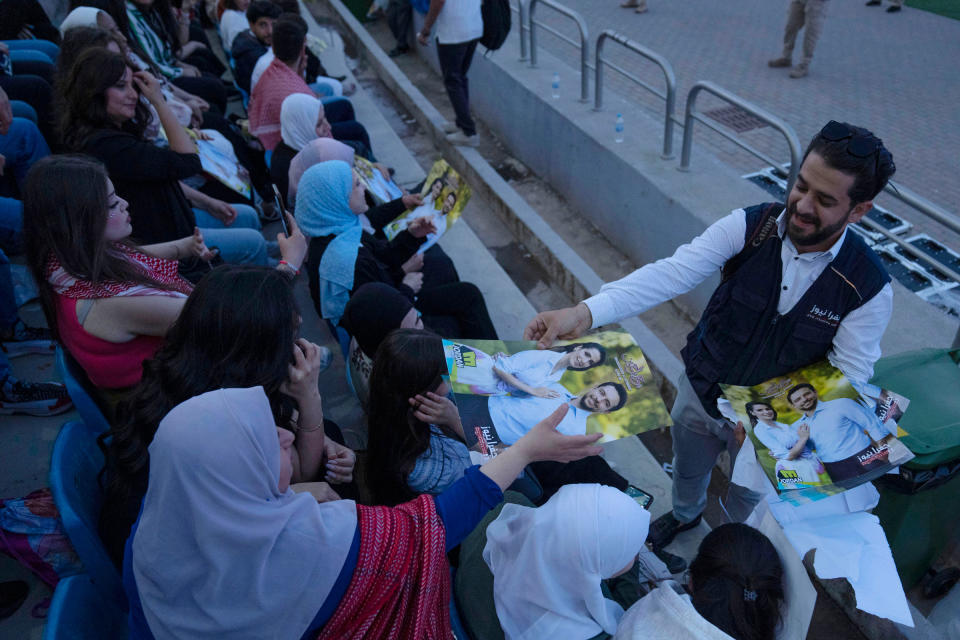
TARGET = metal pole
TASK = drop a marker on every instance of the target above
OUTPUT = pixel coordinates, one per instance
(598, 81)
(533, 32)
(523, 33)
(670, 96)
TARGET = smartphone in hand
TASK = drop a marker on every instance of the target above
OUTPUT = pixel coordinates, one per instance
(643, 498)
(278, 203)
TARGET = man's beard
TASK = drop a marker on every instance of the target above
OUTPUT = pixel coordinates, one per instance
(818, 234)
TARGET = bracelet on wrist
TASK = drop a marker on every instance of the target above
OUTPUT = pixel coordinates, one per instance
(310, 429)
(292, 268)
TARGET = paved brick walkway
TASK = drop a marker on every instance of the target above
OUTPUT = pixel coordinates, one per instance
(896, 74)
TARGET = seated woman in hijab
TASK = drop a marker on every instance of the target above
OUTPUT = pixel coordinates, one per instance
(343, 255)
(303, 119)
(373, 311)
(223, 548)
(548, 572)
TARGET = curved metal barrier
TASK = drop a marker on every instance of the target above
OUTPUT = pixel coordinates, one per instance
(670, 96)
(691, 114)
(582, 45)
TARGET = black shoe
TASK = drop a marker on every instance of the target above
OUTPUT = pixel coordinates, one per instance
(399, 50)
(675, 564)
(12, 595)
(872, 3)
(665, 528)
(893, 9)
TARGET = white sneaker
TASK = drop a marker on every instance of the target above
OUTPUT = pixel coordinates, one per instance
(449, 127)
(461, 139)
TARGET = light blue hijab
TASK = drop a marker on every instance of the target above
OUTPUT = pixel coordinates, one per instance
(323, 209)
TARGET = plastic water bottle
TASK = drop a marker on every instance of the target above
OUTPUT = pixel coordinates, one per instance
(618, 129)
(555, 85)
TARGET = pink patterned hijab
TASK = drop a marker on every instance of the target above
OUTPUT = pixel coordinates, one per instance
(315, 152)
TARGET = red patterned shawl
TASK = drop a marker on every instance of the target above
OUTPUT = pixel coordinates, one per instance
(401, 585)
(164, 272)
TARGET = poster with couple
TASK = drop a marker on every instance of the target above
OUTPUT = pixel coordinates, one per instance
(381, 186)
(502, 389)
(445, 194)
(816, 435)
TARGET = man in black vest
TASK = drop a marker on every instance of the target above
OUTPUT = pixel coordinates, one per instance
(796, 287)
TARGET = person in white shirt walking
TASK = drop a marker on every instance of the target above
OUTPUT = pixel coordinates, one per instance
(797, 287)
(459, 27)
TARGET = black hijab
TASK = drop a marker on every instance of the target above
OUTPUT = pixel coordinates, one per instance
(374, 310)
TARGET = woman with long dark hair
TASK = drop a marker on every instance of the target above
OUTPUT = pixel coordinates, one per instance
(239, 328)
(412, 448)
(202, 87)
(108, 300)
(102, 115)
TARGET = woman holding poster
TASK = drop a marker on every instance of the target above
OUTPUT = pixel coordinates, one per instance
(797, 464)
(527, 371)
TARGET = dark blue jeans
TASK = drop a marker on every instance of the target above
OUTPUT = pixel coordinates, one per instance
(455, 61)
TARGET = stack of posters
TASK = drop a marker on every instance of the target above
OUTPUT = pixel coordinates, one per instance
(816, 435)
(444, 194)
(502, 389)
(381, 187)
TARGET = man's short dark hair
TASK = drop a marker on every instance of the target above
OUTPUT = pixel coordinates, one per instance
(262, 9)
(289, 6)
(289, 36)
(621, 394)
(797, 387)
(870, 173)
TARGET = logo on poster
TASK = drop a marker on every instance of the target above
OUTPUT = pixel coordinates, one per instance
(463, 358)
(629, 373)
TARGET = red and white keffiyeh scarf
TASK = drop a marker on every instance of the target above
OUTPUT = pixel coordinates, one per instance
(276, 83)
(401, 585)
(160, 270)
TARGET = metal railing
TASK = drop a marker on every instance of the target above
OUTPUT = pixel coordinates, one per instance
(671, 79)
(523, 28)
(691, 114)
(582, 45)
(924, 206)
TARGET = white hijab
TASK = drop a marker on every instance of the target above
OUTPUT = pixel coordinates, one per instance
(298, 119)
(547, 563)
(80, 17)
(220, 552)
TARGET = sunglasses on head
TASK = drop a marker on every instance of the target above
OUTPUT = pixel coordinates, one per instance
(859, 145)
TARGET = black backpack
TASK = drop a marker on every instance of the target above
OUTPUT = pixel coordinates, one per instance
(496, 23)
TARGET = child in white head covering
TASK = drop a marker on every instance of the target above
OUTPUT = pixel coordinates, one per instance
(548, 562)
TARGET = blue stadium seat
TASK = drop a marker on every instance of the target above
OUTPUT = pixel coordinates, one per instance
(267, 155)
(81, 391)
(79, 611)
(74, 466)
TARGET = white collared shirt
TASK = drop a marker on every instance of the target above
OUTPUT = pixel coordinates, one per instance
(514, 416)
(856, 345)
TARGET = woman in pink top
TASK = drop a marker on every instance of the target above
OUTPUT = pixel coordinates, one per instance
(106, 299)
